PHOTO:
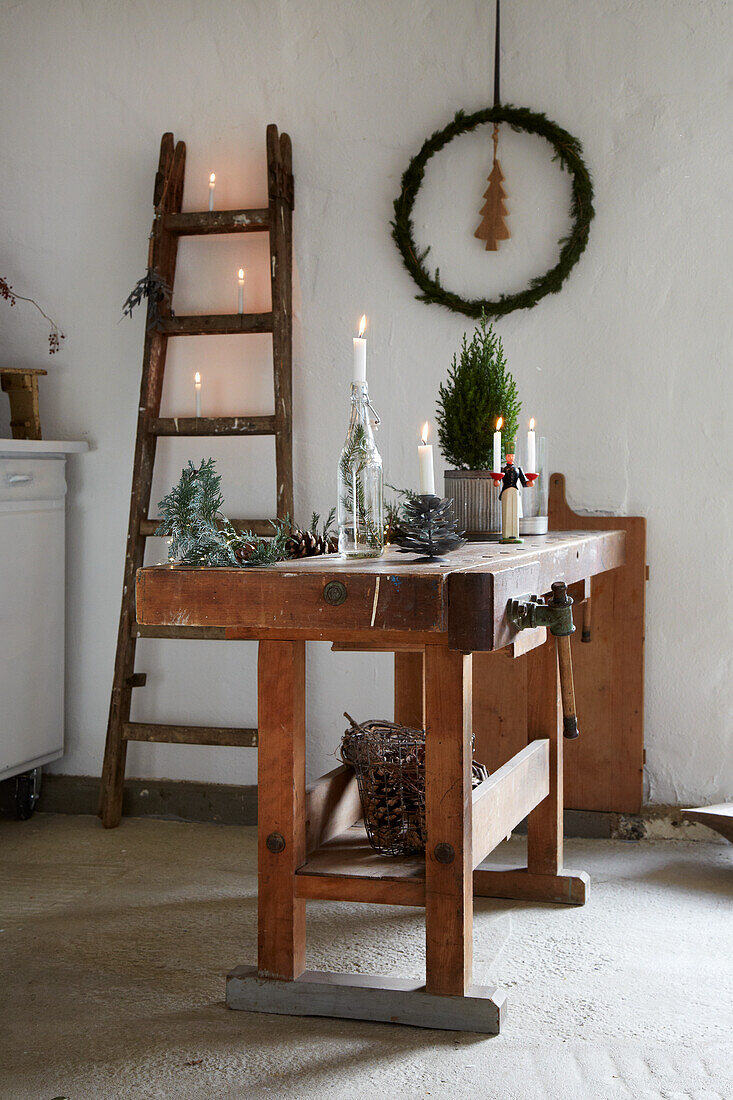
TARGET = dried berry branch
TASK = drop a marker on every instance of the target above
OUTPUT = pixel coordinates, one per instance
(55, 336)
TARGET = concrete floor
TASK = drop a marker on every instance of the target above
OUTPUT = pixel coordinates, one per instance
(115, 946)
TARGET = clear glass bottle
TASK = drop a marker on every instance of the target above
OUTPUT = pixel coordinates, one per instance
(360, 496)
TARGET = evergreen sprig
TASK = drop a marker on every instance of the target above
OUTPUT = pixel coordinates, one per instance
(479, 390)
(395, 515)
(326, 528)
(191, 518)
(250, 549)
(353, 462)
(200, 534)
(567, 150)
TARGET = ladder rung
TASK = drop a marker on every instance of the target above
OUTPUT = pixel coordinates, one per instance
(190, 735)
(256, 526)
(204, 222)
(148, 527)
(212, 425)
(216, 324)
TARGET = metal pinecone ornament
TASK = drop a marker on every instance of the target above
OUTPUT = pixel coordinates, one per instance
(428, 527)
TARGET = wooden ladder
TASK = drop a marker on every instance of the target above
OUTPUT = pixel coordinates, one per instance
(169, 224)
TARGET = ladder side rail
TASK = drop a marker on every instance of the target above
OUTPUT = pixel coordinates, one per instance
(280, 194)
(168, 195)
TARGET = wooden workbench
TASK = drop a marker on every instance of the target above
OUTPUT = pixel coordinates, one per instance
(433, 616)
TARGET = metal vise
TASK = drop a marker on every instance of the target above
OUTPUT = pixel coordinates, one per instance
(557, 616)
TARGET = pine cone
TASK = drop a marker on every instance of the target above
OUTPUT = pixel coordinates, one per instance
(306, 544)
(244, 552)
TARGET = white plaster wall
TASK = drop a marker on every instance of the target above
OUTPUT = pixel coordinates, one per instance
(627, 370)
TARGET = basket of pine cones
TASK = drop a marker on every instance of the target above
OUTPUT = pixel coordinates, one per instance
(389, 762)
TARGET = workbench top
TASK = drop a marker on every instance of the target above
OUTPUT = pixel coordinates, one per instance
(460, 599)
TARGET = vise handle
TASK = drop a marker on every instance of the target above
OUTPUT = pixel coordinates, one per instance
(560, 599)
(557, 615)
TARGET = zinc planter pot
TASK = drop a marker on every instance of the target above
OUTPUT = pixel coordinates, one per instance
(476, 504)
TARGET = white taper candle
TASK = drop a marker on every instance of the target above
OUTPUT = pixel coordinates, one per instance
(425, 460)
(360, 353)
(531, 450)
(197, 391)
(497, 445)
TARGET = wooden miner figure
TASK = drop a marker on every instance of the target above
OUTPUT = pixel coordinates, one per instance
(511, 478)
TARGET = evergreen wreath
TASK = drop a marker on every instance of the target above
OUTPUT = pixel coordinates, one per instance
(568, 151)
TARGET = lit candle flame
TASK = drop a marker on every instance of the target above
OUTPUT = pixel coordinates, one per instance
(425, 433)
(212, 178)
(499, 423)
(531, 424)
(241, 277)
(362, 325)
(197, 379)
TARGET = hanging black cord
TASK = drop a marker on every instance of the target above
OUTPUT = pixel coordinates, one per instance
(497, 99)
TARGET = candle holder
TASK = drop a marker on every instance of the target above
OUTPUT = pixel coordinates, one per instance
(533, 517)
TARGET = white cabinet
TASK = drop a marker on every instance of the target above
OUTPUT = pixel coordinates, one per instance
(32, 492)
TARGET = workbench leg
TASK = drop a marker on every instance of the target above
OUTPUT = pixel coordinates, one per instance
(544, 878)
(409, 689)
(544, 719)
(447, 999)
(449, 874)
(280, 808)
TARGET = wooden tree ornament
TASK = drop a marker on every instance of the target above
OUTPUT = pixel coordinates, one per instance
(493, 227)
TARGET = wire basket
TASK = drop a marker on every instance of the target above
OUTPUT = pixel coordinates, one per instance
(389, 762)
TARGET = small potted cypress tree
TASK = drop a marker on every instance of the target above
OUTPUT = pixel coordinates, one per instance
(479, 390)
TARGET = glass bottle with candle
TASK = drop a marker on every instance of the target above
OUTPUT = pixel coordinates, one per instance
(360, 494)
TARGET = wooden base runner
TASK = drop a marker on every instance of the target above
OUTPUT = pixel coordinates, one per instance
(361, 997)
(495, 881)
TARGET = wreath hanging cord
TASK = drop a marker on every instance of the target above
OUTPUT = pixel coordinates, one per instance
(493, 227)
(567, 150)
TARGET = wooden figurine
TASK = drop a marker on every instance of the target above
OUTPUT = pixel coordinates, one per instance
(511, 477)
